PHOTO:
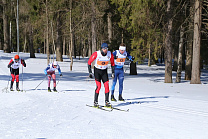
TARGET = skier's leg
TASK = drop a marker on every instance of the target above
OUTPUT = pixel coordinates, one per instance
(13, 78)
(113, 86)
(11, 86)
(54, 81)
(12, 81)
(121, 79)
(49, 81)
(17, 82)
(98, 85)
(114, 82)
(106, 85)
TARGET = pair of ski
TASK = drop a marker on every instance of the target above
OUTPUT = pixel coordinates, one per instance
(17, 91)
(109, 109)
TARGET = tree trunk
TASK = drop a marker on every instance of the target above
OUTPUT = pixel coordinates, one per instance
(84, 52)
(189, 47)
(1, 48)
(71, 36)
(195, 77)
(64, 46)
(149, 60)
(59, 48)
(32, 51)
(110, 28)
(93, 26)
(25, 44)
(44, 43)
(168, 44)
(89, 45)
(74, 46)
(175, 51)
(52, 37)
(47, 38)
(180, 55)
(5, 28)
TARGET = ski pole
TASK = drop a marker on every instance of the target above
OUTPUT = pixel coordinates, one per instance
(22, 77)
(41, 82)
(58, 81)
(9, 79)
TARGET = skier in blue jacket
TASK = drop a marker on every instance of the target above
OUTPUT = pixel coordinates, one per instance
(50, 72)
(119, 57)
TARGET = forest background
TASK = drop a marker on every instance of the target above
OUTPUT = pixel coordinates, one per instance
(173, 32)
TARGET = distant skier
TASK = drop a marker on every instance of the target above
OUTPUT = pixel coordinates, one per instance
(119, 57)
(100, 71)
(14, 65)
(50, 72)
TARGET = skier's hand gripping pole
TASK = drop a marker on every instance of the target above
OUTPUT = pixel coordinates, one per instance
(90, 72)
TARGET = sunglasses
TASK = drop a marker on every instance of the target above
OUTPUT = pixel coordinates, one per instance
(105, 48)
(16, 59)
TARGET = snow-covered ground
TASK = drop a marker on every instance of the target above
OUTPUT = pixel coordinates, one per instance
(177, 110)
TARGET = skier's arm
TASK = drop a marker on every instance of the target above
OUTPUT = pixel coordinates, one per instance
(112, 64)
(59, 70)
(131, 58)
(91, 59)
(114, 54)
(23, 62)
(10, 63)
(45, 71)
(112, 60)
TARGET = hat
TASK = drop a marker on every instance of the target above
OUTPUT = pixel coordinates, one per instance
(16, 57)
(104, 45)
(55, 63)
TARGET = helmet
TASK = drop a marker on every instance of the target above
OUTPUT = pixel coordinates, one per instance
(104, 45)
(55, 63)
(16, 57)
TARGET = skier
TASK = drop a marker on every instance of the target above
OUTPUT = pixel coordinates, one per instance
(119, 57)
(100, 71)
(14, 65)
(50, 72)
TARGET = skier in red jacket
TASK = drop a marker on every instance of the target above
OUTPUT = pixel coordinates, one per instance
(100, 71)
(14, 65)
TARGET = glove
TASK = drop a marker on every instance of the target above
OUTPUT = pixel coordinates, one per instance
(61, 75)
(132, 59)
(113, 75)
(89, 69)
(23, 62)
(9, 65)
(113, 69)
(91, 75)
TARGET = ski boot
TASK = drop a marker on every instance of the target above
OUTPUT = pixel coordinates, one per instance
(11, 86)
(120, 98)
(96, 100)
(17, 86)
(96, 104)
(54, 89)
(113, 98)
(49, 90)
(108, 104)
